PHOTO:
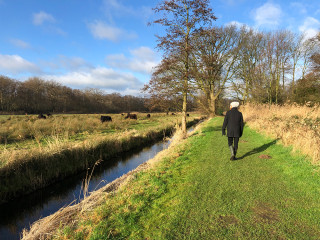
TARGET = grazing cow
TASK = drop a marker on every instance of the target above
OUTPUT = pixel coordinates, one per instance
(148, 115)
(41, 116)
(173, 114)
(131, 116)
(49, 114)
(105, 119)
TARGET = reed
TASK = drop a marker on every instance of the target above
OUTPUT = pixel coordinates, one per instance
(295, 125)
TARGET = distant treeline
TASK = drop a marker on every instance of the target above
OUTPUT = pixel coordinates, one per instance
(35, 96)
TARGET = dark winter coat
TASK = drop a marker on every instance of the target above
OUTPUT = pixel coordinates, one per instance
(233, 121)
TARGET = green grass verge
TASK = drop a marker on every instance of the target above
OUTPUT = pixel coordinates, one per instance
(198, 193)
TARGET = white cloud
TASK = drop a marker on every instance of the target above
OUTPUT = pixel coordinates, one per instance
(143, 53)
(41, 17)
(99, 77)
(142, 60)
(236, 23)
(14, 64)
(301, 7)
(130, 91)
(268, 14)
(310, 27)
(101, 30)
(20, 44)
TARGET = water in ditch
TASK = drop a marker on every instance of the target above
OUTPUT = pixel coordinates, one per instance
(21, 213)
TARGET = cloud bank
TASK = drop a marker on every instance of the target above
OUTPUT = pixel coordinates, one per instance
(14, 64)
(99, 77)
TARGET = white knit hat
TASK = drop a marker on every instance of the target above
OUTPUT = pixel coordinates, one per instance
(234, 104)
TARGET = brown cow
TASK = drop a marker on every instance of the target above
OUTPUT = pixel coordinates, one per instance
(105, 119)
(131, 116)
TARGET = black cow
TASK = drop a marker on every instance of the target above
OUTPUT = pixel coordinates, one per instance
(131, 116)
(41, 116)
(187, 114)
(173, 114)
(49, 114)
(148, 115)
(105, 119)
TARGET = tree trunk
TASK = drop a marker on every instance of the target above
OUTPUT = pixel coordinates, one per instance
(212, 104)
(293, 79)
(184, 115)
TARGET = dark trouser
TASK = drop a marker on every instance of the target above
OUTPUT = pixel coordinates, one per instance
(234, 140)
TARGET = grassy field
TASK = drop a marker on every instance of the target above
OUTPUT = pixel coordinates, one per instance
(196, 192)
(23, 136)
(64, 145)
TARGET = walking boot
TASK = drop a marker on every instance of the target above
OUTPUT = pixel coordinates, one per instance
(235, 153)
(232, 153)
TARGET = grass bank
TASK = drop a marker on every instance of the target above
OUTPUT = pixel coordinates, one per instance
(196, 192)
(44, 165)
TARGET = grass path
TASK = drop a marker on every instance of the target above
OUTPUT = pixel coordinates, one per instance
(198, 193)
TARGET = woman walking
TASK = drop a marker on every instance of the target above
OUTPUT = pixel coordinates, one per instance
(233, 121)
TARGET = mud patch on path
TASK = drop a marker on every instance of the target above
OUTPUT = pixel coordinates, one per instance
(263, 212)
(265, 156)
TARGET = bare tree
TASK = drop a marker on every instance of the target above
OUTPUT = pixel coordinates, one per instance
(296, 52)
(216, 52)
(249, 64)
(182, 19)
(315, 58)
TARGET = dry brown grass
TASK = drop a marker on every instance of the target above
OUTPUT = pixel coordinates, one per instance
(25, 136)
(297, 126)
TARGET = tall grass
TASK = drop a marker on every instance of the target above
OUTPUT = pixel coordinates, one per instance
(295, 125)
(26, 135)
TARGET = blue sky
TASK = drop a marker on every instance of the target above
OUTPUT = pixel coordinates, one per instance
(107, 44)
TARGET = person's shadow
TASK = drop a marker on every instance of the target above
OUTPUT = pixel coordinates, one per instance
(253, 151)
(258, 149)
